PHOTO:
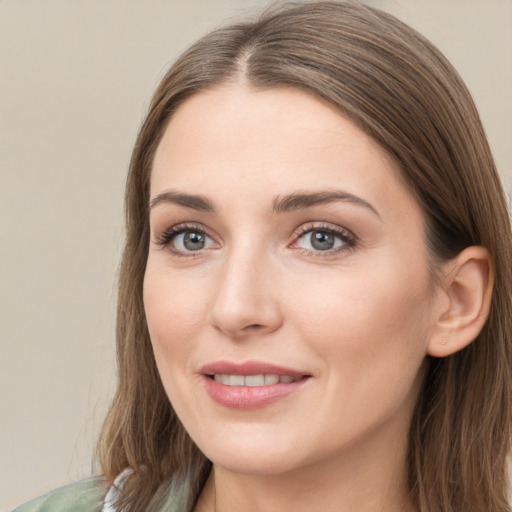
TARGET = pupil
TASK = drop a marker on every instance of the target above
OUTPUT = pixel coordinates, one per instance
(322, 241)
(193, 241)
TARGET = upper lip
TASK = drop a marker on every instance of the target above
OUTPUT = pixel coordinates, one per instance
(248, 368)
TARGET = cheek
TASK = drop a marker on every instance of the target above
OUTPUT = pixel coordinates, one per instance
(373, 354)
(369, 331)
(174, 313)
(362, 308)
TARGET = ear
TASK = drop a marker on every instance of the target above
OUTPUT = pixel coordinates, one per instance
(463, 301)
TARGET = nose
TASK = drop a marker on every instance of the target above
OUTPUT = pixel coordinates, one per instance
(246, 301)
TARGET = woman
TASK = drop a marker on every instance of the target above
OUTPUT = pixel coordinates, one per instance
(315, 303)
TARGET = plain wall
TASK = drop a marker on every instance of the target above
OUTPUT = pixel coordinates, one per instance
(75, 80)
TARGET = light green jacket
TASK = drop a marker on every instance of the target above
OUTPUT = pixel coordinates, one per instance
(83, 496)
(89, 496)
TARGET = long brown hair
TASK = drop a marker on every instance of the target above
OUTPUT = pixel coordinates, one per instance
(398, 88)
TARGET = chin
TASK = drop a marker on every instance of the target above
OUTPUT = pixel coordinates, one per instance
(250, 457)
(256, 465)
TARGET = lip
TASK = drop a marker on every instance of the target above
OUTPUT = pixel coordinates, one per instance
(249, 368)
(250, 397)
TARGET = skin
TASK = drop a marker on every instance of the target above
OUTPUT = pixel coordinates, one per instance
(357, 318)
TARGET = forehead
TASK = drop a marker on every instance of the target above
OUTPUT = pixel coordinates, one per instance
(236, 116)
(235, 140)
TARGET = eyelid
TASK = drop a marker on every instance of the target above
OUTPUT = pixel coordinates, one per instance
(348, 238)
(166, 236)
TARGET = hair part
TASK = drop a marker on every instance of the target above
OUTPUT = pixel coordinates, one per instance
(400, 90)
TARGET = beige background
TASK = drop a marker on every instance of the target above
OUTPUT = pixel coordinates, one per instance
(75, 79)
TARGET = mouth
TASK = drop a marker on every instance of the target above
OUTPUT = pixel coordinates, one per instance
(254, 380)
(250, 385)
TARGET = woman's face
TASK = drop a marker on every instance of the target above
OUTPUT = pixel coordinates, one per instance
(287, 290)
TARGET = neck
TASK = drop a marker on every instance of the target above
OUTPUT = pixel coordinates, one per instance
(367, 479)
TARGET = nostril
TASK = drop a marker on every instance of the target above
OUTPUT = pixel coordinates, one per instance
(239, 317)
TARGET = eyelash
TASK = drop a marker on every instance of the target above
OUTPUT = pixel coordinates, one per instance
(348, 239)
(164, 240)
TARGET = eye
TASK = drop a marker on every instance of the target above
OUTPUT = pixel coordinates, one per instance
(191, 241)
(327, 239)
(184, 239)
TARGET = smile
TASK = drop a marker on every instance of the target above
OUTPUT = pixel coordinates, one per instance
(253, 380)
(251, 385)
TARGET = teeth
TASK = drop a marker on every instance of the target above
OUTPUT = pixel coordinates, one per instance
(271, 379)
(236, 380)
(253, 380)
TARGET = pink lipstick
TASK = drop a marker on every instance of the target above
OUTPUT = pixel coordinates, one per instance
(250, 385)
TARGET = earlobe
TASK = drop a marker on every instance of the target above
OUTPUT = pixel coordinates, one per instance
(466, 291)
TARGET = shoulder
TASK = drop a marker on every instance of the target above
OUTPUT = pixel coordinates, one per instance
(172, 496)
(82, 496)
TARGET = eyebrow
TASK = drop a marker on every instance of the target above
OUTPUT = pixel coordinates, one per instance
(294, 201)
(195, 202)
(301, 201)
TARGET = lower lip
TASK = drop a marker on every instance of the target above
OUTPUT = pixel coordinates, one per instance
(249, 397)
